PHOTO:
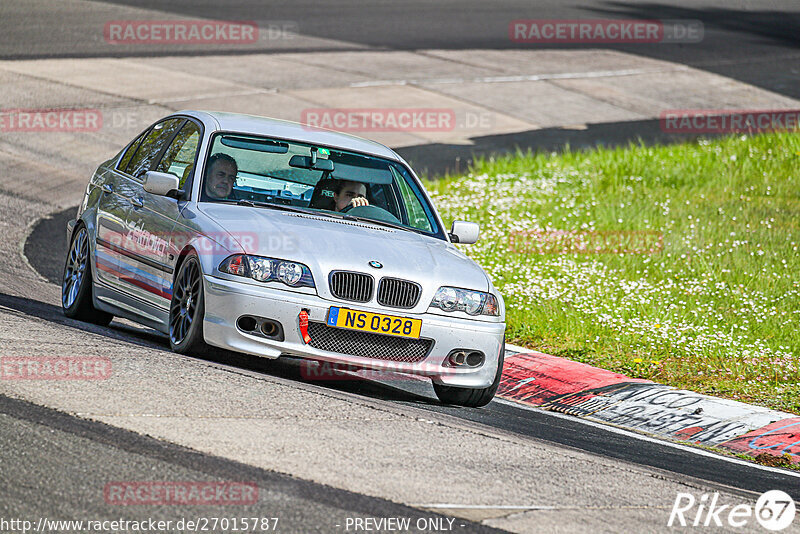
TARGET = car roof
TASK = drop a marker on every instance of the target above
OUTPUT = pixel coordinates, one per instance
(253, 124)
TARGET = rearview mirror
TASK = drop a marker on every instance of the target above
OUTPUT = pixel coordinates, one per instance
(304, 162)
(464, 232)
(161, 183)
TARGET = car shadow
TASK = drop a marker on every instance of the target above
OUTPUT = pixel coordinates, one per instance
(286, 367)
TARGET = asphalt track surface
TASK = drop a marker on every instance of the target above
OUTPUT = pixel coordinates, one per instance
(45, 250)
(39, 444)
(752, 41)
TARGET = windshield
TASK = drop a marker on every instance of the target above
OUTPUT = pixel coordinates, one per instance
(273, 172)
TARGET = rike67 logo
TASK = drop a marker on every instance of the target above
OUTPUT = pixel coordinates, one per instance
(774, 511)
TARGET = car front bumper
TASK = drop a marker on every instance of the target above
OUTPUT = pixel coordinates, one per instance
(226, 301)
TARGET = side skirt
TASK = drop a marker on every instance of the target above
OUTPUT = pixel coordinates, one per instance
(121, 305)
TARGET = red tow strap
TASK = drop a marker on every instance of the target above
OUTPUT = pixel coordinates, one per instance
(303, 317)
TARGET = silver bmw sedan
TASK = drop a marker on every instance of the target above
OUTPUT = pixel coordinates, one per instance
(277, 239)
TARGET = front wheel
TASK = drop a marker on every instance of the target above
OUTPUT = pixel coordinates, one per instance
(187, 308)
(76, 286)
(472, 397)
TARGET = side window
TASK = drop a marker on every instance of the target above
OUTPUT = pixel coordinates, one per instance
(416, 213)
(126, 158)
(179, 157)
(151, 146)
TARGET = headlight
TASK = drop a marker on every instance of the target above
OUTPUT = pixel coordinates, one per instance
(472, 302)
(260, 268)
(446, 298)
(268, 270)
(289, 273)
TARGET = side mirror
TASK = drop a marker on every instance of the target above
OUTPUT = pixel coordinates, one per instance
(464, 232)
(162, 184)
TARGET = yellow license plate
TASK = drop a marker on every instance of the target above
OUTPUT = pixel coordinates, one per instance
(374, 322)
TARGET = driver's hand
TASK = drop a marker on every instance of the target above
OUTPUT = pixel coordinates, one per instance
(359, 201)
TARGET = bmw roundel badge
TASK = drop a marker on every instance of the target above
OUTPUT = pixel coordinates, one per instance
(375, 264)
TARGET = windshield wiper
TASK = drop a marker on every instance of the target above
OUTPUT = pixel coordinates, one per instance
(348, 217)
(374, 221)
(283, 207)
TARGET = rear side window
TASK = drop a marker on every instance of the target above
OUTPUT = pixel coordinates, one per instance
(150, 147)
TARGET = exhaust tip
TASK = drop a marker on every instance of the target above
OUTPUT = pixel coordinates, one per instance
(465, 357)
(260, 326)
(474, 359)
(457, 358)
(246, 323)
(269, 328)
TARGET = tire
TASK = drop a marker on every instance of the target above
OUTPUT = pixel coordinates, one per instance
(187, 308)
(472, 397)
(76, 284)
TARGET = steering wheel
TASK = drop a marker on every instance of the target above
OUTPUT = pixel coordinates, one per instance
(371, 212)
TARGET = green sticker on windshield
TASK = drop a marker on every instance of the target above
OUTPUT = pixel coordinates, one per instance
(324, 152)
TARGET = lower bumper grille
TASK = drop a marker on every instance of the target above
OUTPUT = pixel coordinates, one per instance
(367, 345)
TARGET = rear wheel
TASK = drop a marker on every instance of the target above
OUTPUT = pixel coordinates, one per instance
(472, 397)
(76, 286)
(187, 308)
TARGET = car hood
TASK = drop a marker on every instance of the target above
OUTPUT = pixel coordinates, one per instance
(325, 244)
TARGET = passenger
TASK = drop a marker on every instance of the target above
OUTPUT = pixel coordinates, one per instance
(347, 193)
(220, 175)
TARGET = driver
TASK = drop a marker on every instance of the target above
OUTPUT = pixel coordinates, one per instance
(348, 193)
(220, 175)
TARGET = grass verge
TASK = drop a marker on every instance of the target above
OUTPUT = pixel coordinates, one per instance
(673, 263)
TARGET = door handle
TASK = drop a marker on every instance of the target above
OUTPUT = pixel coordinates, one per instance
(137, 202)
(107, 188)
